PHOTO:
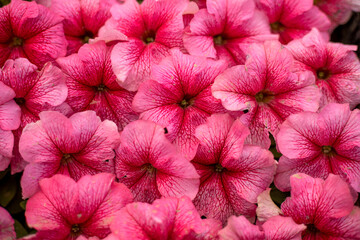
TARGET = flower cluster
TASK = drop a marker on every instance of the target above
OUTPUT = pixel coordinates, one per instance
(154, 119)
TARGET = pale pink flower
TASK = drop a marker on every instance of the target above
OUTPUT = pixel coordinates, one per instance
(292, 19)
(9, 120)
(35, 90)
(92, 85)
(65, 209)
(276, 228)
(225, 29)
(74, 146)
(150, 165)
(321, 143)
(32, 31)
(339, 11)
(82, 19)
(325, 207)
(167, 218)
(335, 66)
(6, 226)
(268, 87)
(232, 175)
(178, 97)
(147, 32)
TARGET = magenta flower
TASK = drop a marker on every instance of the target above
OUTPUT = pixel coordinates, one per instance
(266, 86)
(276, 228)
(167, 218)
(30, 30)
(6, 225)
(325, 207)
(179, 98)
(321, 143)
(148, 32)
(65, 209)
(339, 11)
(92, 85)
(292, 19)
(232, 175)
(225, 29)
(35, 91)
(153, 168)
(74, 146)
(335, 66)
(82, 19)
(9, 120)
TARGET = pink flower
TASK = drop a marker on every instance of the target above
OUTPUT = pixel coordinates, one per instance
(167, 218)
(148, 32)
(6, 225)
(335, 66)
(179, 98)
(82, 19)
(339, 11)
(30, 30)
(232, 175)
(292, 19)
(150, 165)
(325, 207)
(92, 85)
(65, 209)
(9, 120)
(276, 228)
(319, 144)
(35, 91)
(74, 146)
(267, 86)
(225, 29)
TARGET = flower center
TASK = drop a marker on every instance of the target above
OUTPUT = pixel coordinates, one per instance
(15, 42)
(316, 2)
(328, 151)
(218, 168)
(75, 229)
(149, 168)
(149, 37)
(219, 40)
(186, 102)
(264, 96)
(66, 158)
(310, 229)
(101, 88)
(20, 101)
(323, 73)
(87, 36)
(277, 27)
(140, 1)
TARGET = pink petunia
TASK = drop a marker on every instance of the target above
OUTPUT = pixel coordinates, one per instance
(32, 31)
(268, 87)
(9, 120)
(292, 19)
(150, 165)
(6, 225)
(335, 66)
(225, 29)
(276, 228)
(147, 32)
(232, 175)
(65, 209)
(325, 207)
(74, 146)
(167, 218)
(35, 91)
(339, 11)
(321, 143)
(82, 19)
(178, 97)
(92, 85)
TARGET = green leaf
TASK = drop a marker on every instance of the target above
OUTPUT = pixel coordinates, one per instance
(8, 189)
(23, 204)
(19, 229)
